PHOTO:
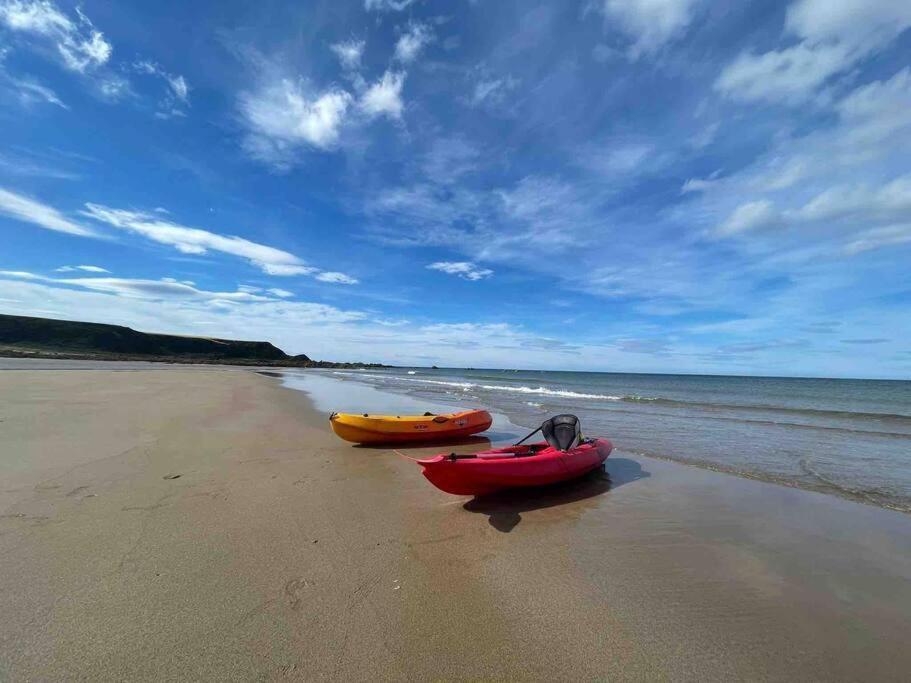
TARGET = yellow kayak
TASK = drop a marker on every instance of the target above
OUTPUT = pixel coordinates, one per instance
(373, 429)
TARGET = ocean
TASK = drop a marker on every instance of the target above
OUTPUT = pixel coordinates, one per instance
(846, 437)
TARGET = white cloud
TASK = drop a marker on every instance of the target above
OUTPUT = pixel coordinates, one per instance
(39, 164)
(79, 44)
(30, 211)
(177, 95)
(789, 75)
(410, 43)
(492, 90)
(282, 115)
(31, 92)
(834, 36)
(696, 185)
(20, 274)
(889, 235)
(890, 201)
(337, 278)
(281, 293)
(189, 240)
(650, 23)
(165, 288)
(385, 96)
(462, 269)
(286, 270)
(748, 217)
(875, 116)
(387, 5)
(349, 53)
(857, 22)
(114, 88)
(87, 269)
(843, 187)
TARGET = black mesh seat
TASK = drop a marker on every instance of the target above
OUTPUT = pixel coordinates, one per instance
(563, 432)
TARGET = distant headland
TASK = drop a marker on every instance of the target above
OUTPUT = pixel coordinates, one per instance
(28, 337)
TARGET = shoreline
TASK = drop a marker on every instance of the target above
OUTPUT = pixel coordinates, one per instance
(822, 487)
(280, 552)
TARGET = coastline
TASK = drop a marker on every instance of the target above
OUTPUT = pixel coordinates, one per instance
(804, 466)
(279, 551)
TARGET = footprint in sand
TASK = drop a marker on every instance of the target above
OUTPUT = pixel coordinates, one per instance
(294, 590)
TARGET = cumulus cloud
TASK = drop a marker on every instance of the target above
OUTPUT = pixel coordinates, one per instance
(462, 269)
(79, 45)
(30, 211)
(349, 53)
(384, 98)
(833, 37)
(649, 23)
(283, 114)
(412, 41)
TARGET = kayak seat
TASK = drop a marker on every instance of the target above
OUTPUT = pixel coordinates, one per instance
(563, 432)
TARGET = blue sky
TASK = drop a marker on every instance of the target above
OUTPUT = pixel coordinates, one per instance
(631, 185)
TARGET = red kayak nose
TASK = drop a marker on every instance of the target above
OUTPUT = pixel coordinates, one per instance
(514, 466)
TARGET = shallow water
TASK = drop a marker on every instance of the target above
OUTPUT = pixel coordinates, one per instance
(850, 437)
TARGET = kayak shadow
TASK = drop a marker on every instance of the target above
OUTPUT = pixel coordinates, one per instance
(478, 443)
(504, 508)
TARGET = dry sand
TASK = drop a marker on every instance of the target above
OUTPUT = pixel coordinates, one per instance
(280, 552)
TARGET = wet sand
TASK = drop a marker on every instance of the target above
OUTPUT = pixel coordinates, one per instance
(204, 523)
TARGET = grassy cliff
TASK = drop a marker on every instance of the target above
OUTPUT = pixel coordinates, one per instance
(46, 338)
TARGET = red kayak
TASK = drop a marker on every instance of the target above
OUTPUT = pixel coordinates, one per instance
(530, 465)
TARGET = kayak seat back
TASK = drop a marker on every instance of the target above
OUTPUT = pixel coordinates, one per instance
(563, 432)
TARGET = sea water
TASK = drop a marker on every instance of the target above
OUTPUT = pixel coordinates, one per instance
(850, 437)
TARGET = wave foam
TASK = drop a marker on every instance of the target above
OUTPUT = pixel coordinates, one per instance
(542, 391)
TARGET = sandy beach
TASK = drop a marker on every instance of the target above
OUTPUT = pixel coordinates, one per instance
(204, 523)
